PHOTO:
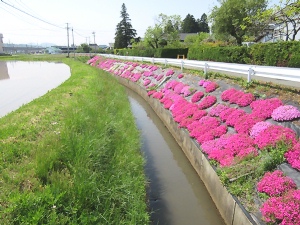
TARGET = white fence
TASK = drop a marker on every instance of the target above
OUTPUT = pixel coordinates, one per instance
(281, 73)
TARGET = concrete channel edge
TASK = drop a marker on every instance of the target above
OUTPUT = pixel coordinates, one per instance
(230, 208)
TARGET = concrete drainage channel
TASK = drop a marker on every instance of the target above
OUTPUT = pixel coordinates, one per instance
(231, 211)
(176, 194)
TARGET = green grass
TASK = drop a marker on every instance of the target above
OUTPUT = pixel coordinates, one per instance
(73, 155)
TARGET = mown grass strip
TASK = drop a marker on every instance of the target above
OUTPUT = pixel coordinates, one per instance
(72, 156)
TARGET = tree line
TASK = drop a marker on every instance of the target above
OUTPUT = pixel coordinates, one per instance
(232, 21)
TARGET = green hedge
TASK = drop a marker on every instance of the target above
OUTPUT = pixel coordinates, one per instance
(276, 54)
(234, 54)
(283, 54)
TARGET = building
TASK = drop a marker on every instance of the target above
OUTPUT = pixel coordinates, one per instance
(1, 44)
(182, 36)
(94, 47)
(283, 26)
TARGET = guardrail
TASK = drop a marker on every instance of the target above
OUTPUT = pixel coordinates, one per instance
(282, 73)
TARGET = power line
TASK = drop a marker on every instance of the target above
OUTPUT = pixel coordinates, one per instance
(31, 15)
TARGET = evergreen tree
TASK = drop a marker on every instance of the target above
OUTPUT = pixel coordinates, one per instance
(124, 31)
(203, 24)
(190, 25)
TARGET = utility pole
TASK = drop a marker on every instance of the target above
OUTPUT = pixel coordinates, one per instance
(94, 36)
(68, 39)
(94, 41)
(73, 43)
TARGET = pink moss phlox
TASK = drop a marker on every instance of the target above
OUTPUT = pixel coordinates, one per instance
(270, 136)
(293, 156)
(240, 98)
(283, 210)
(198, 114)
(227, 147)
(259, 127)
(158, 95)
(146, 82)
(179, 87)
(148, 73)
(206, 83)
(234, 116)
(187, 91)
(211, 123)
(235, 97)
(197, 96)
(207, 102)
(171, 84)
(136, 77)
(275, 183)
(226, 113)
(169, 73)
(264, 108)
(211, 86)
(159, 77)
(180, 76)
(285, 113)
(246, 122)
(201, 82)
(244, 153)
(93, 60)
(225, 96)
(203, 127)
(216, 110)
(245, 100)
(151, 92)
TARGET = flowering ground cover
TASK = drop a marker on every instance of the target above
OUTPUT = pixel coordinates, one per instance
(240, 132)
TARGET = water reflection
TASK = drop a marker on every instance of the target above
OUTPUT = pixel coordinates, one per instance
(3, 71)
(177, 195)
(25, 81)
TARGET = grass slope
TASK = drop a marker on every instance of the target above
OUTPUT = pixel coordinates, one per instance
(72, 156)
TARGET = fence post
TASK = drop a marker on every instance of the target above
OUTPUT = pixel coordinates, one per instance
(166, 62)
(250, 72)
(182, 63)
(205, 70)
(152, 60)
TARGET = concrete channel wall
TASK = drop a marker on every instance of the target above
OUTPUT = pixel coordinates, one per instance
(230, 209)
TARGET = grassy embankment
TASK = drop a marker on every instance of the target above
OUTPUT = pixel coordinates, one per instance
(72, 156)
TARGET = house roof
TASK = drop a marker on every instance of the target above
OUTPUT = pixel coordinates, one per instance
(182, 36)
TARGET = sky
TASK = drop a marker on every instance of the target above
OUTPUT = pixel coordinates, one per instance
(44, 21)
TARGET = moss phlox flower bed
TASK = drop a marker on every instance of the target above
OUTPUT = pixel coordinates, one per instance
(233, 127)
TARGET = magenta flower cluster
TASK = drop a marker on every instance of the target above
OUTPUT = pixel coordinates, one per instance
(216, 110)
(207, 102)
(209, 86)
(264, 108)
(283, 207)
(187, 91)
(170, 73)
(275, 183)
(293, 156)
(229, 149)
(147, 82)
(285, 113)
(283, 210)
(237, 97)
(259, 127)
(205, 129)
(180, 76)
(270, 136)
(197, 96)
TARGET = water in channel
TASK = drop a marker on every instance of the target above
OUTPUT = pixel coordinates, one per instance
(177, 195)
